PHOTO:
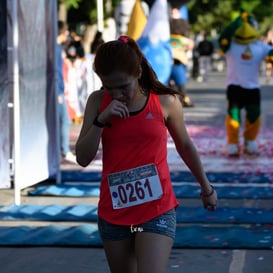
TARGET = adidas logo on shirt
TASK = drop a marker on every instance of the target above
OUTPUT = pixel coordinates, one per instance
(149, 116)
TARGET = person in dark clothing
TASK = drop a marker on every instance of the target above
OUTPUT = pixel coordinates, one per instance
(205, 49)
(98, 40)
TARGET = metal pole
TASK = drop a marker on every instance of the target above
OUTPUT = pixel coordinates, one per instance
(16, 104)
(100, 15)
(57, 120)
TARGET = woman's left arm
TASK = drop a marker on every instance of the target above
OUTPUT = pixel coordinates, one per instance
(173, 112)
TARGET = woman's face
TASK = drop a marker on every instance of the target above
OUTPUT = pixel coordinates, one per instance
(120, 86)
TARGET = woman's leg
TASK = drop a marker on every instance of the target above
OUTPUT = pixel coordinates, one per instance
(120, 256)
(141, 249)
(154, 242)
(152, 251)
(118, 243)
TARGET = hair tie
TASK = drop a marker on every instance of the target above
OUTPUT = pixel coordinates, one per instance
(123, 39)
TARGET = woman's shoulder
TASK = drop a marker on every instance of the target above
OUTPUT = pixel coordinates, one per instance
(96, 95)
(94, 102)
(95, 98)
(170, 105)
(167, 99)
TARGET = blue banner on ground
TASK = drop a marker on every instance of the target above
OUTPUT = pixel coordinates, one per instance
(77, 213)
(181, 191)
(179, 176)
(186, 236)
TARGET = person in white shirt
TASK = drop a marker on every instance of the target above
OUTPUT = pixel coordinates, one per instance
(244, 52)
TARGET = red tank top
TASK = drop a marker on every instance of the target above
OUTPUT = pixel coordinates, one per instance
(138, 140)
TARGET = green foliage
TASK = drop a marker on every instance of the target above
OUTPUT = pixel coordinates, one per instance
(85, 11)
(250, 6)
(203, 14)
(208, 15)
(71, 3)
(216, 14)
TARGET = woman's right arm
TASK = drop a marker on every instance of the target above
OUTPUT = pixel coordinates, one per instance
(89, 139)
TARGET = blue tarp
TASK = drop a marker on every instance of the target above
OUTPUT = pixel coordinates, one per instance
(181, 191)
(223, 215)
(187, 236)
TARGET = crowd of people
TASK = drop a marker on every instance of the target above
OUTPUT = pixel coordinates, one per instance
(192, 57)
(80, 80)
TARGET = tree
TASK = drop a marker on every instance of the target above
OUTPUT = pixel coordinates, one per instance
(214, 14)
(65, 5)
(203, 14)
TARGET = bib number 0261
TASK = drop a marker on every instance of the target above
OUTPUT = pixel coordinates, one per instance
(132, 192)
(136, 186)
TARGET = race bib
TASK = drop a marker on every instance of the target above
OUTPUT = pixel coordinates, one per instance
(135, 186)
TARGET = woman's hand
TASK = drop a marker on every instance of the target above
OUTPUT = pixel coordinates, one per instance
(209, 199)
(115, 108)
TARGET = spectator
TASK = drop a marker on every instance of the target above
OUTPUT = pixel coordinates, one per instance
(181, 44)
(97, 41)
(205, 49)
(62, 105)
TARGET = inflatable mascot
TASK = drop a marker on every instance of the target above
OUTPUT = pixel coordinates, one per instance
(244, 51)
